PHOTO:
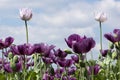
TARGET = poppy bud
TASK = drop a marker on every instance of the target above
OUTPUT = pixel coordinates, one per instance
(15, 58)
(114, 55)
(101, 17)
(68, 51)
(10, 55)
(25, 14)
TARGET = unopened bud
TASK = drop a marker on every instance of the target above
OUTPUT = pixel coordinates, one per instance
(15, 58)
(68, 51)
(10, 55)
(114, 55)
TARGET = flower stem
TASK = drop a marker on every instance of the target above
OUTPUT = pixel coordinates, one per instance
(24, 67)
(100, 35)
(27, 39)
(2, 60)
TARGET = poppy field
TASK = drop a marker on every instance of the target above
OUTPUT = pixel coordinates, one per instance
(37, 61)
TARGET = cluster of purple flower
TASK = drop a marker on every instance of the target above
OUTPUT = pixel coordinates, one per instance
(15, 55)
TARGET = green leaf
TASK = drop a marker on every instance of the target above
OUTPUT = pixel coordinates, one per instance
(31, 75)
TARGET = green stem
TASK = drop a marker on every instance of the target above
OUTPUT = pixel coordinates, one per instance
(27, 39)
(2, 60)
(26, 31)
(119, 66)
(24, 68)
(92, 68)
(100, 35)
(108, 71)
(81, 69)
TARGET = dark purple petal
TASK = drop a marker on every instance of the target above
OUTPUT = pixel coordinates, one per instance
(2, 45)
(72, 39)
(8, 41)
(110, 37)
(75, 58)
(59, 53)
(87, 45)
(104, 52)
(24, 49)
(46, 76)
(21, 49)
(95, 69)
(77, 47)
(47, 60)
(14, 50)
(65, 62)
(7, 68)
(38, 47)
(43, 49)
(29, 49)
(18, 66)
(71, 70)
(117, 37)
(116, 31)
(83, 47)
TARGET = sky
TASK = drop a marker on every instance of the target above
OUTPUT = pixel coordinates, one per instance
(54, 20)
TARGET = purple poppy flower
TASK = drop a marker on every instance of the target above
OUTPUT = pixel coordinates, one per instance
(75, 58)
(84, 46)
(110, 37)
(59, 53)
(113, 38)
(65, 62)
(104, 52)
(8, 69)
(8, 41)
(18, 66)
(64, 78)
(58, 72)
(117, 36)
(47, 60)
(4, 44)
(25, 49)
(95, 69)
(43, 49)
(71, 70)
(116, 31)
(46, 76)
(73, 39)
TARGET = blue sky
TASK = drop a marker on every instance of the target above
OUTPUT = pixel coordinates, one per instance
(54, 20)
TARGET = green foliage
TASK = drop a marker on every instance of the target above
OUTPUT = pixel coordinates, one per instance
(2, 76)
